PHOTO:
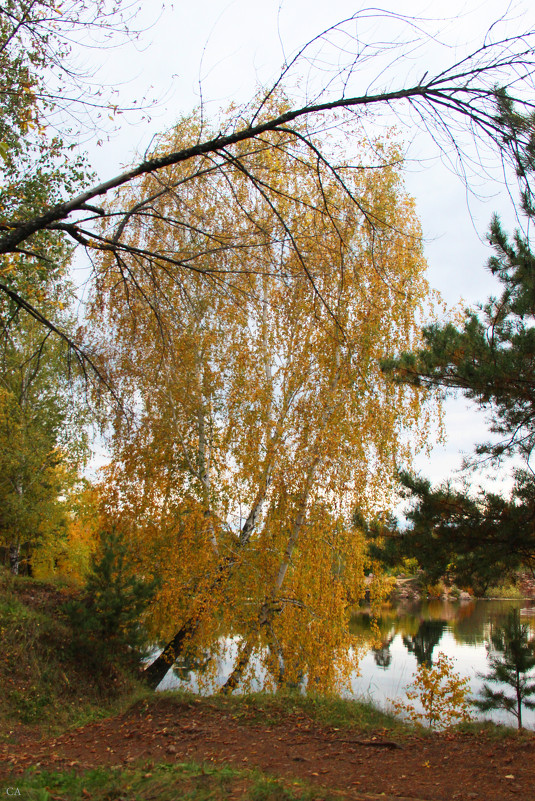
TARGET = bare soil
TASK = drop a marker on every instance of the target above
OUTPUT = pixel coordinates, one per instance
(439, 767)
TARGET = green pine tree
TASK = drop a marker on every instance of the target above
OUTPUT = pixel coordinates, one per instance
(490, 358)
(109, 616)
(512, 663)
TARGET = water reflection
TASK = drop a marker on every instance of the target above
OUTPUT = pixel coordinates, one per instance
(382, 655)
(424, 641)
(413, 633)
(404, 637)
(189, 667)
(421, 625)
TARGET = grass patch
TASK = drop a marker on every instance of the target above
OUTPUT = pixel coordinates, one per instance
(47, 678)
(188, 781)
(274, 709)
(494, 731)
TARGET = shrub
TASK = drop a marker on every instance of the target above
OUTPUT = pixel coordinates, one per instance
(435, 590)
(442, 693)
(508, 591)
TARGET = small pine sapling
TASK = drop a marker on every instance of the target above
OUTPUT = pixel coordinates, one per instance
(512, 663)
(110, 612)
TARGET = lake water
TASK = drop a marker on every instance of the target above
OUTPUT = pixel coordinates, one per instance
(415, 633)
(410, 633)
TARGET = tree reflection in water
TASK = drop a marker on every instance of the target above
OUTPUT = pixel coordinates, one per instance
(382, 655)
(424, 641)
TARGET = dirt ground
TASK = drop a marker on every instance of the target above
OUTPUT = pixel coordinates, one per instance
(442, 767)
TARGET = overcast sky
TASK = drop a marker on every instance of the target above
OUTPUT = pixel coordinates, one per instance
(224, 50)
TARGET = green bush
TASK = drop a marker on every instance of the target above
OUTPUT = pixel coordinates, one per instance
(508, 591)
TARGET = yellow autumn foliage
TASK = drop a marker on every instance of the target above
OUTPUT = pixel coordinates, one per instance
(259, 414)
(440, 692)
(68, 557)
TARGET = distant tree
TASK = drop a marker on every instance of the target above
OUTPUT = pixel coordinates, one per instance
(513, 661)
(42, 437)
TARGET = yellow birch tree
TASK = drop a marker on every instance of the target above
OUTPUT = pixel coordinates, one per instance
(260, 417)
